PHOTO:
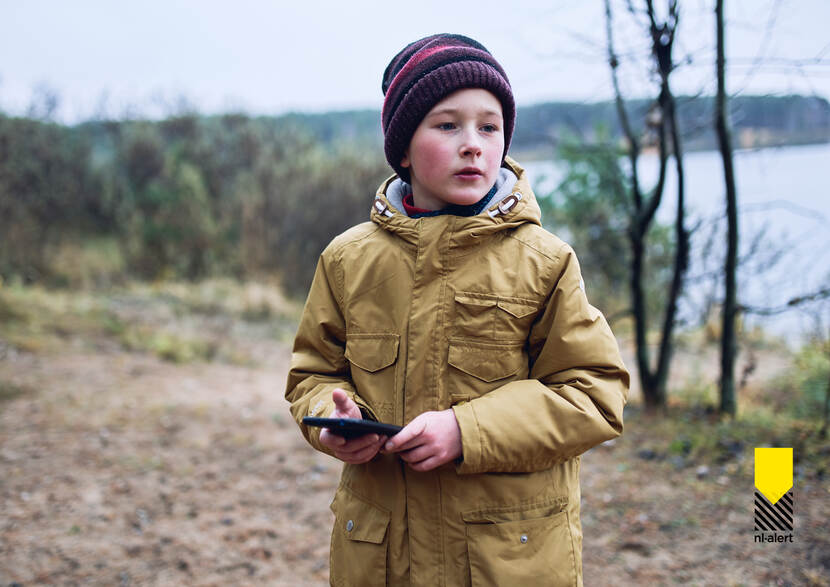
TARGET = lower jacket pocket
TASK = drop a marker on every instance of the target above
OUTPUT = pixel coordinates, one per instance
(536, 551)
(358, 541)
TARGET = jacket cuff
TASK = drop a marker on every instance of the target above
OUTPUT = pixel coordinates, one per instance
(323, 408)
(471, 453)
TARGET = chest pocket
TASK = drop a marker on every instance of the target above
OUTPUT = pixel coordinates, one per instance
(494, 317)
(373, 359)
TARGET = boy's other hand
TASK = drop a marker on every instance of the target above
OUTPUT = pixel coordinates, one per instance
(428, 441)
(354, 451)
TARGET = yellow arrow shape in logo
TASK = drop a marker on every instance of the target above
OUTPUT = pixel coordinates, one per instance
(773, 472)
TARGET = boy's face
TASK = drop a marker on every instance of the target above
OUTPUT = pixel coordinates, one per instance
(456, 151)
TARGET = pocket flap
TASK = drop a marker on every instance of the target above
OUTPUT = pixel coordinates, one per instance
(512, 513)
(486, 361)
(517, 309)
(360, 520)
(471, 299)
(372, 352)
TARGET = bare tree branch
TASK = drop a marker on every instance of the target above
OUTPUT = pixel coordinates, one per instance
(622, 114)
(762, 49)
(790, 305)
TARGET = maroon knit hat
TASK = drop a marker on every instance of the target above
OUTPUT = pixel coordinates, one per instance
(427, 71)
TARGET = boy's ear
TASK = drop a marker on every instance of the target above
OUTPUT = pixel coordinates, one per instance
(405, 159)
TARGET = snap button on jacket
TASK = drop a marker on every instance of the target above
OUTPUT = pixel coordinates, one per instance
(485, 315)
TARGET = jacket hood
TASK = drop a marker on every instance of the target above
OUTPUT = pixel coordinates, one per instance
(514, 204)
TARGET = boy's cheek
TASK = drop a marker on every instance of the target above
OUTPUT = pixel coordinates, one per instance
(431, 150)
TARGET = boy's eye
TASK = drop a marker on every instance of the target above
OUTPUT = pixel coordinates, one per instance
(446, 126)
(489, 128)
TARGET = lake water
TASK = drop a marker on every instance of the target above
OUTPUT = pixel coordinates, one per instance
(784, 202)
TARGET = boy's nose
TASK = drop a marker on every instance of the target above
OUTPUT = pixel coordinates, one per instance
(470, 146)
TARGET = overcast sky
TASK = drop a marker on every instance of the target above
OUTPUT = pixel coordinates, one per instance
(267, 57)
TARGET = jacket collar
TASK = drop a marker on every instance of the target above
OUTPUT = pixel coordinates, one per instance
(513, 204)
(399, 189)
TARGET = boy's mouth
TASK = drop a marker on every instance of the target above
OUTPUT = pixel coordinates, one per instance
(469, 173)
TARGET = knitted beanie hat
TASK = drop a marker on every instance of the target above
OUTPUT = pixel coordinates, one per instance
(425, 72)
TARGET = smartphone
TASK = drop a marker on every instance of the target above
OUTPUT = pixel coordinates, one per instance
(353, 427)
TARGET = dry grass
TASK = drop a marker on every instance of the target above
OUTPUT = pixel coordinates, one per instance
(212, 320)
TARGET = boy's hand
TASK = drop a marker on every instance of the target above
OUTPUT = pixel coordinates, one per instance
(356, 450)
(428, 441)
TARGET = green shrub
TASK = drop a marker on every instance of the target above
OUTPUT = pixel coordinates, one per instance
(808, 381)
(189, 197)
(590, 209)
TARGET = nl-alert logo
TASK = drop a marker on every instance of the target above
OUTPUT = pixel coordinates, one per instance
(773, 495)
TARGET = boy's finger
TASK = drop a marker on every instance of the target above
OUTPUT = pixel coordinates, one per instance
(344, 407)
(406, 438)
(341, 400)
(359, 443)
(360, 456)
(415, 455)
(331, 440)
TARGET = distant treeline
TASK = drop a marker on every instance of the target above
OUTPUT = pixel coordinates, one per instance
(193, 196)
(758, 121)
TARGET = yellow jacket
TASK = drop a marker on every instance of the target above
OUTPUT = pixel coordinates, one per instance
(486, 315)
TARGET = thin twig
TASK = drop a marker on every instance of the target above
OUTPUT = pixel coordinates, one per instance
(790, 305)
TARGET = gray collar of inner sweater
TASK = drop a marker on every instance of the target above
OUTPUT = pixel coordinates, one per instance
(398, 189)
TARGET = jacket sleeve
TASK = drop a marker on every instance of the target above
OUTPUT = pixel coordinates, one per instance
(318, 362)
(572, 400)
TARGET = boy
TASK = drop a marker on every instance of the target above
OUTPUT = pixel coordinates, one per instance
(455, 314)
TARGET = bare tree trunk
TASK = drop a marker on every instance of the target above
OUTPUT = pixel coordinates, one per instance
(652, 380)
(681, 252)
(638, 307)
(729, 346)
(823, 431)
(662, 42)
(826, 419)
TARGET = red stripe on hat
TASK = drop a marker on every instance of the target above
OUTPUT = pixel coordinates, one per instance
(410, 65)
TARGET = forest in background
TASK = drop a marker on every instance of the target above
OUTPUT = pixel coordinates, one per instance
(187, 197)
(194, 196)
